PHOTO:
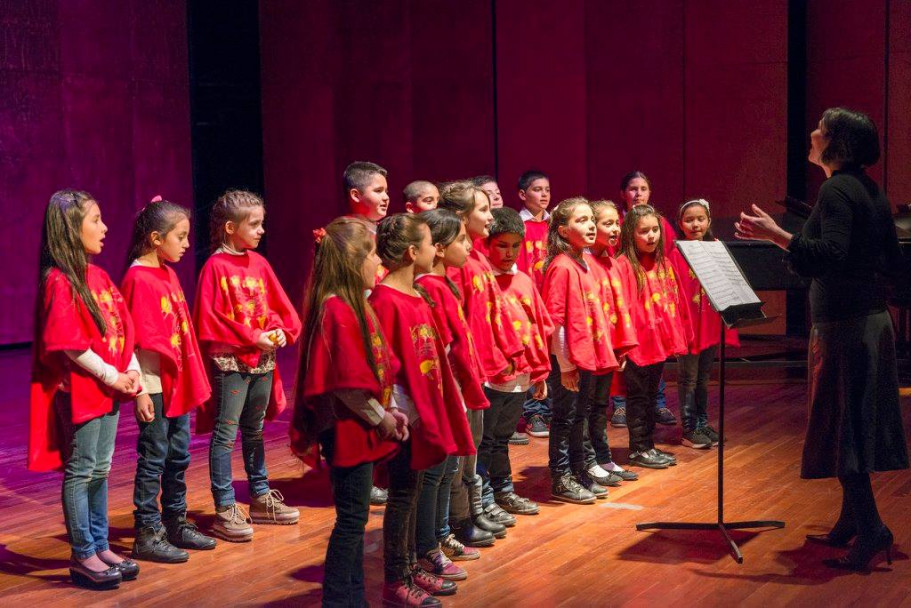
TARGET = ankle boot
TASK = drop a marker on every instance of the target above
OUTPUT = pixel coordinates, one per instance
(478, 517)
(151, 545)
(185, 535)
(470, 535)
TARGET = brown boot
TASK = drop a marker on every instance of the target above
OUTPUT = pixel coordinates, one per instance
(269, 508)
(232, 524)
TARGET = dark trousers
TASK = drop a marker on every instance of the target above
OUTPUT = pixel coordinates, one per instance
(693, 374)
(567, 427)
(641, 391)
(163, 449)
(500, 421)
(399, 519)
(343, 580)
(596, 448)
(433, 505)
(660, 398)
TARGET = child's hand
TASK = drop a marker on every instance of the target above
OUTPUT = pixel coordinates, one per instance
(134, 376)
(540, 391)
(401, 424)
(622, 363)
(570, 380)
(124, 384)
(145, 409)
(387, 427)
(265, 342)
(279, 338)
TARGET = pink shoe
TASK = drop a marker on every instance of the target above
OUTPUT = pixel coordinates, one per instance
(434, 585)
(437, 564)
(406, 595)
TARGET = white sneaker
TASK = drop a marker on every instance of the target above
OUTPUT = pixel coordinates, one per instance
(597, 472)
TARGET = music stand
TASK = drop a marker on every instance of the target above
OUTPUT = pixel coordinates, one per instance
(734, 315)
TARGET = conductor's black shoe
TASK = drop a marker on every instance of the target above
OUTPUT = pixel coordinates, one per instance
(649, 459)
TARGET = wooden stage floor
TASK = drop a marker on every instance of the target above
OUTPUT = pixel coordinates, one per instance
(567, 556)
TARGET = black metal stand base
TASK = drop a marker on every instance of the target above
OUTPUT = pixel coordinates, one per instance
(722, 526)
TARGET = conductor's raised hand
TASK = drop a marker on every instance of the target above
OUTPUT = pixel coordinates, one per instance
(759, 226)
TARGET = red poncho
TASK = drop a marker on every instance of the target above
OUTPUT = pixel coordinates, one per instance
(661, 323)
(425, 377)
(65, 323)
(480, 245)
(490, 325)
(534, 250)
(162, 320)
(532, 324)
(238, 297)
(616, 301)
(705, 323)
(667, 231)
(572, 295)
(463, 355)
(337, 360)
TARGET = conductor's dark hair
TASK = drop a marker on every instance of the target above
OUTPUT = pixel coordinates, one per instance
(853, 139)
(506, 220)
(527, 178)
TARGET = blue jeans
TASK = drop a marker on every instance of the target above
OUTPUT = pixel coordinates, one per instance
(163, 448)
(241, 400)
(399, 518)
(693, 374)
(88, 452)
(567, 427)
(500, 421)
(433, 505)
(343, 581)
(661, 398)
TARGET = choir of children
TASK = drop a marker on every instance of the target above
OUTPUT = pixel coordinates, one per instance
(425, 365)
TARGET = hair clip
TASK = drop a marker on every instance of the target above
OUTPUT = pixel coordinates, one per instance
(156, 199)
(318, 235)
(695, 201)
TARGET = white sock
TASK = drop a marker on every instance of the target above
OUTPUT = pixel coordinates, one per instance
(613, 466)
(596, 471)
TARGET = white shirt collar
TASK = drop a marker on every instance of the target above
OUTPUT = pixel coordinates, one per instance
(526, 215)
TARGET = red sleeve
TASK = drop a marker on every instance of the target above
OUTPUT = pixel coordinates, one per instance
(64, 320)
(142, 302)
(210, 312)
(556, 288)
(282, 314)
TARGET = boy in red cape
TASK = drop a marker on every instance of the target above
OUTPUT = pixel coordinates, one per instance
(242, 315)
(83, 364)
(174, 383)
(506, 392)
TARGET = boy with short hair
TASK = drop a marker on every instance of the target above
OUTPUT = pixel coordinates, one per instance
(420, 195)
(534, 192)
(507, 392)
(367, 192)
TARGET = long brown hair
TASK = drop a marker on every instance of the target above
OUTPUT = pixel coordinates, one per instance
(628, 240)
(62, 248)
(560, 216)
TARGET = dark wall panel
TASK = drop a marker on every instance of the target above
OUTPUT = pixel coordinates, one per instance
(94, 97)
(899, 103)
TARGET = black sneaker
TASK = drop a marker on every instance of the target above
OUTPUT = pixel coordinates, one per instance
(513, 503)
(649, 459)
(378, 496)
(151, 545)
(696, 439)
(568, 489)
(585, 480)
(619, 418)
(518, 438)
(185, 535)
(710, 433)
(495, 512)
(671, 459)
(536, 426)
(665, 416)
(626, 475)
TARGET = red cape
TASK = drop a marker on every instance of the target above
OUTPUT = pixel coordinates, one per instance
(572, 294)
(480, 245)
(337, 360)
(661, 322)
(533, 253)
(237, 298)
(463, 354)
(532, 324)
(705, 323)
(615, 299)
(162, 320)
(64, 323)
(425, 376)
(490, 325)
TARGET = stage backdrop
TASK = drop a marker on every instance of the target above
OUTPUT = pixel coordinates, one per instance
(95, 97)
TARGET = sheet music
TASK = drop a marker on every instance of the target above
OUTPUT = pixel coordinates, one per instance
(718, 273)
